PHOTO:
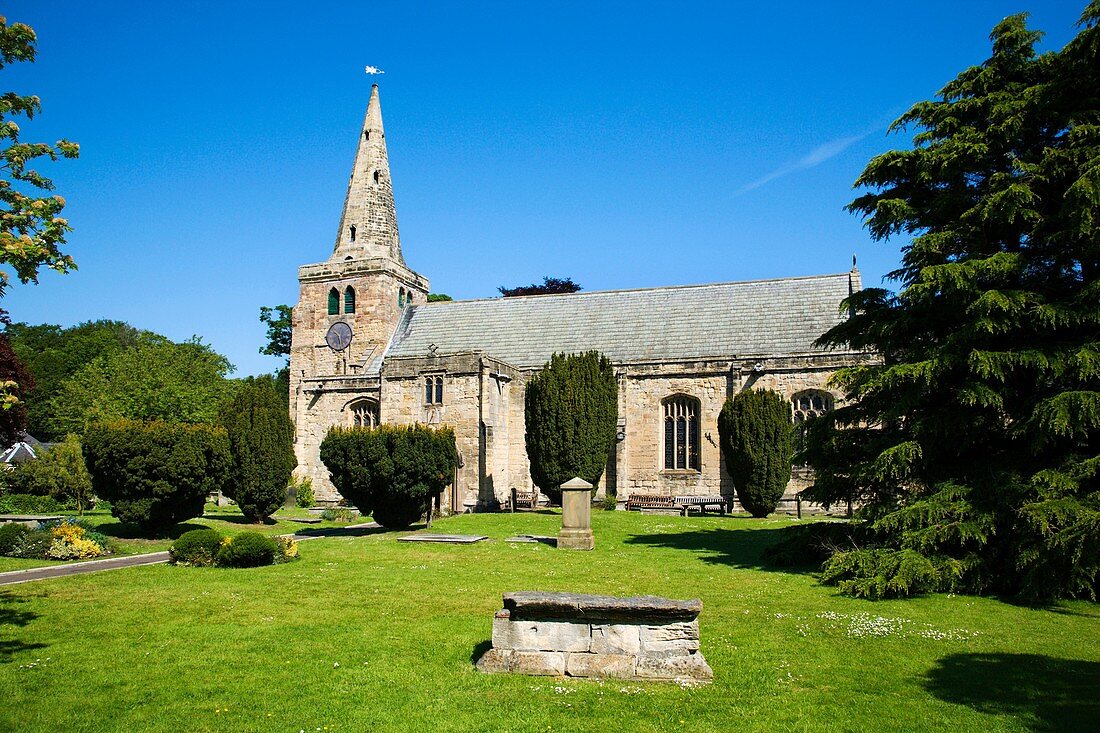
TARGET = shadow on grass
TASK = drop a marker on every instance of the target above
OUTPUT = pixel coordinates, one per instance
(11, 616)
(739, 548)
(238, 519)
(1043, 693)
(127, 531)
(341, 532)
(479, 649)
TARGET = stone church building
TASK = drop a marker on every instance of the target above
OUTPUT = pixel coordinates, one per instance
(368, 348)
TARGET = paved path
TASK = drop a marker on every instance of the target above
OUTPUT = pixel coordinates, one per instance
(75, 568)
(154, 558)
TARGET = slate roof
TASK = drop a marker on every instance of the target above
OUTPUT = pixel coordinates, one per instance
(724, 320)
(27, 448)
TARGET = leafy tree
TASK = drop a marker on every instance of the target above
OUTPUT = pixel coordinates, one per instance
(570, 409)
(550, 285)
(757, 439)
(59, 473)
(154, 381)
(391, 472)
(156, 474)
(439, 298)
(15, 381)
(975, 444)
(53, 354)
(261, 439)
(31, 228)
(280, 327)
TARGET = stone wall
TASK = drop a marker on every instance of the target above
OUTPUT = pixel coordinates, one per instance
(643, 389)
(483, 402)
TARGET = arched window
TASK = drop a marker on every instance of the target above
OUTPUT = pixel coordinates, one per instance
(352, 232)
(810, 403)
(433, 390)
(363, 414)
(401, 297)
(681, 433)
(377, 175)
(333, 302)
(349, 300)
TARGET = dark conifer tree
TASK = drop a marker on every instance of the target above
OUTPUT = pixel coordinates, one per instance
(757, 439)
(261, 439)
(571, 408)
(974, 445)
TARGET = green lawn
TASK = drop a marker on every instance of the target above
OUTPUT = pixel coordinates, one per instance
(227, 519)
(365, 633)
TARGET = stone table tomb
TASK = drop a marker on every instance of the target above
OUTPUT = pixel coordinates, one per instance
(575, 635)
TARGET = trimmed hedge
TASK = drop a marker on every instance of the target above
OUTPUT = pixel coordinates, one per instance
(391, 472)
(30, 504)
(156, 474)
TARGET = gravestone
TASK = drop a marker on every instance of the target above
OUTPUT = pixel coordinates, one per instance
(576, 516)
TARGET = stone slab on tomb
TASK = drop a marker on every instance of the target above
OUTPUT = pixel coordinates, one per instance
(532, 538)
(453, 539)
(636, 609)
(580, 635)
(30, 520)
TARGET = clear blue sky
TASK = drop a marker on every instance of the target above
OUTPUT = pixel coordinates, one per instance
(621, 144)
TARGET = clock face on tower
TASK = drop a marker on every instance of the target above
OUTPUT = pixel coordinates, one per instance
(338, 337)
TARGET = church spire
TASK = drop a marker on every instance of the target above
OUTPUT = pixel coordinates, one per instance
(368, 226)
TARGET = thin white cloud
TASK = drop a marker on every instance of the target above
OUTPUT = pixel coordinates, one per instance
(815, 157)
(373, 70)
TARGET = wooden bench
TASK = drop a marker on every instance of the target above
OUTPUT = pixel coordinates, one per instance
(638, 502)
(526, 499)
(702, 503)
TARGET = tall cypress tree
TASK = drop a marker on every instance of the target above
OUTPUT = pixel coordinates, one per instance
(571, 408)
(261, 440)
(757, 439)
(975, 444)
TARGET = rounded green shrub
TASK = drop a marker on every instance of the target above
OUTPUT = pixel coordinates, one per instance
(392, 472)
(10, 535)
(198, 547)
(33, 545)
(246, 550)
(156, 474)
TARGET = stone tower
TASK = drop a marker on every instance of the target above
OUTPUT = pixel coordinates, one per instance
(364, 284)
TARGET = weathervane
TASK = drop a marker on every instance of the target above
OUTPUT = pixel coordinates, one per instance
(372, 70)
